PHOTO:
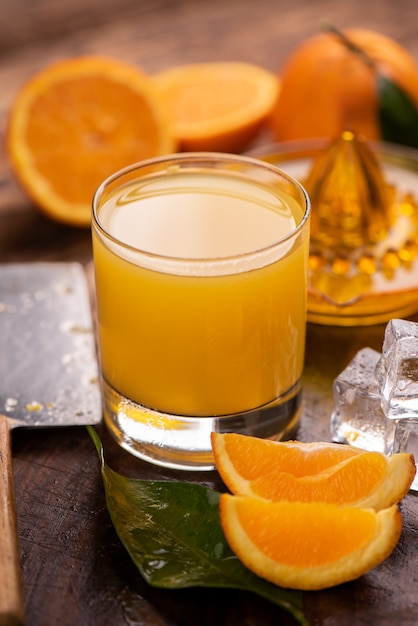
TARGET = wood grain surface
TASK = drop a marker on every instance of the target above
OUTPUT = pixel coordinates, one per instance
(74, 569)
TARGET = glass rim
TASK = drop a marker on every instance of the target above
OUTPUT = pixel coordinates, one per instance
(202, 158)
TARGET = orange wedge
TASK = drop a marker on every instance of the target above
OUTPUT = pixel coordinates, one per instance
(315, 472)
(366, 480)
(218, 106)
(243, 458)
(75, 123)
(308, 546)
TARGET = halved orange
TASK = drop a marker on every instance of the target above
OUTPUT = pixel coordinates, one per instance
(75, 123)
(218, 106)
(308, 545)
(314, 472)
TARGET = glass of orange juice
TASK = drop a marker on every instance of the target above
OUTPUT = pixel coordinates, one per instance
(201, 284)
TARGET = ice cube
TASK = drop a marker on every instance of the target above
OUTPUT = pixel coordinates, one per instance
(406, 440)
(397, 370)
(358, 418)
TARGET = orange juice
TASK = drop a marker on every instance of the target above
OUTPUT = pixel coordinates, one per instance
(201, 292)
(201, 284)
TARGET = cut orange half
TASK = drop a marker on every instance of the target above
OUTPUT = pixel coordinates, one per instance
(308, 546)
(75, 123)
(218, 106)
(315, 472)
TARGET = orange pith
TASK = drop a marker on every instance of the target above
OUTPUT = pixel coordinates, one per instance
(75, 123)
(327, 88)
(308, 546)
(316, 472)
(217, 106)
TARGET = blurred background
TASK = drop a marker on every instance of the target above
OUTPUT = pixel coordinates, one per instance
(34, 32)
(159, 34)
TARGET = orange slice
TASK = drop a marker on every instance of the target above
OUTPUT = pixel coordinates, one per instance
(218, 106)
(316, 472)
(75, 123)
(308, 546)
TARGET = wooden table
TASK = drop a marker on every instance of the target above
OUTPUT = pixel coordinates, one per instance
(75, 570)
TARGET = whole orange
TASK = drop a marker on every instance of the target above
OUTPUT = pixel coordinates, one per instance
(328, 85)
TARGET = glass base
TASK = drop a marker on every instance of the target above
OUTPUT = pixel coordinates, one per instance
(180, 442)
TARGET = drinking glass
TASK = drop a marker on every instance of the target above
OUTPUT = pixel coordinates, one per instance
(201, 285)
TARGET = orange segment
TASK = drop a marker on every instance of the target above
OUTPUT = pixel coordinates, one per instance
(75, 123)
(218, 106)
(308, 546)
(314, 472)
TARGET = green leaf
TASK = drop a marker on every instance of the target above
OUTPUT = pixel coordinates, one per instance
(398, 115)
(173, 533)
